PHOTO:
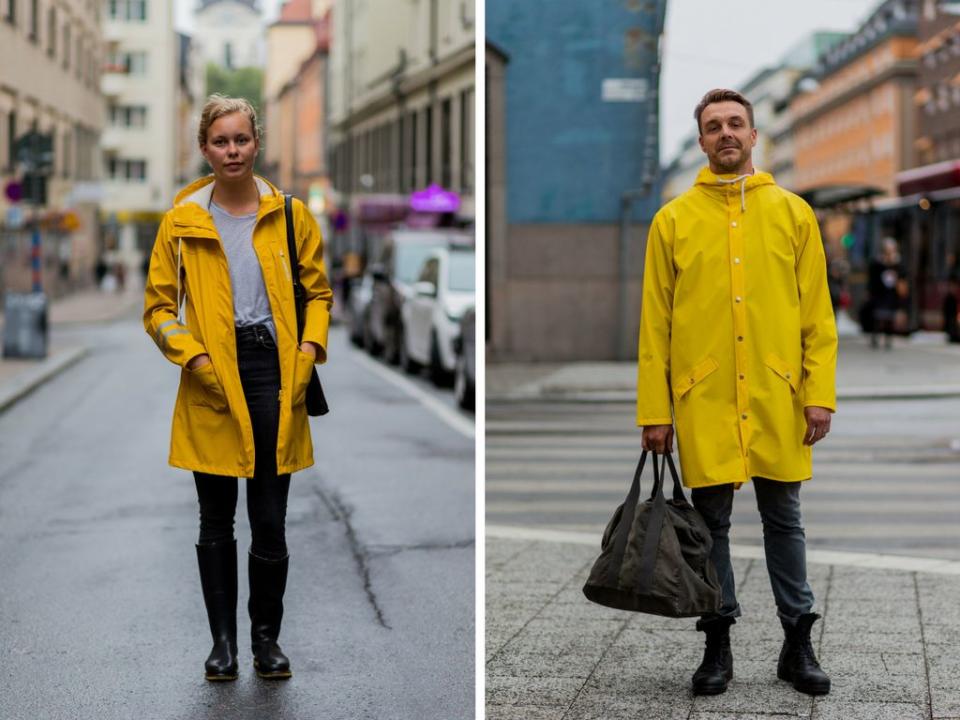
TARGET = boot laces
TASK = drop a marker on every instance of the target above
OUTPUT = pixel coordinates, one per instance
(805, 651)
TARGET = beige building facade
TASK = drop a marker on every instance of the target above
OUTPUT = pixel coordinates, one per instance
(141, 140)
(402, 98)
(50, 56)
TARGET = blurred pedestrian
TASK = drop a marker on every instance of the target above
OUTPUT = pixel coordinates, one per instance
(738, 350)
(888, 289)
(951, 312)
(219, 302)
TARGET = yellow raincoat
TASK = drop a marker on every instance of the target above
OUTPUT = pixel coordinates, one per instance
(211, 426)
(737, 333)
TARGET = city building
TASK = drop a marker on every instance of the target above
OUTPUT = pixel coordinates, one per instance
(50, 57)
(294, 92)
(229, 33)
(401, 110)
(189, 103)
(573, 161)
(855, 125)
(140, 144)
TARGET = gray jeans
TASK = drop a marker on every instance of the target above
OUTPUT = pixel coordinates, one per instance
(784, 544)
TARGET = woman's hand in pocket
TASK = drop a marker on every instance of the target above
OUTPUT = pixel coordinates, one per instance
(309, 348)
(198, 361)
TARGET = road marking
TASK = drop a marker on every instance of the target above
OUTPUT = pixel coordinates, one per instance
(823, 557)
(449, 416)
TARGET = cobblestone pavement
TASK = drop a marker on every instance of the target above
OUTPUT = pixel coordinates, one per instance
(890, 639)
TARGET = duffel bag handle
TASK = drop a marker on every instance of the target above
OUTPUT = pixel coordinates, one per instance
(660, 477)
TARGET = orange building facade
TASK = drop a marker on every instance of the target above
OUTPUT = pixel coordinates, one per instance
(858, 126)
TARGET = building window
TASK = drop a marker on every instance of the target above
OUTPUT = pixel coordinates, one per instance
(11, 139)
(414, 157)
(10, 14)
(34, 32)
(131, 63)
(52, 31)
(67, 157)
(127, 170)
(128, 116)
(446, 143)
(66, 46)
(428, 140)
(228, 55)
(466, 140)
(127, 10)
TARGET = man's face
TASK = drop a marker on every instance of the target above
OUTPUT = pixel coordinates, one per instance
(231, 147)
(726, 137)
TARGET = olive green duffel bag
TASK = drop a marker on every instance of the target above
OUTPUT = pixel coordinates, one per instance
(655, 555)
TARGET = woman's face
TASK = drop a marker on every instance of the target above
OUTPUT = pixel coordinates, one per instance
(231, 147)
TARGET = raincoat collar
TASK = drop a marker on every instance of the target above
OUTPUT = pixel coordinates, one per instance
(719, 185)
(192, 202)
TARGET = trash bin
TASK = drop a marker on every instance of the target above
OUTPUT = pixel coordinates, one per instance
(25, 325)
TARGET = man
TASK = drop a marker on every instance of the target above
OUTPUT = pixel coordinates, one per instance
(738, 350)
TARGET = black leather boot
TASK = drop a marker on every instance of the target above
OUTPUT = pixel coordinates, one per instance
(798, 663)
(268, 581)
(716, 668)
(218, 578)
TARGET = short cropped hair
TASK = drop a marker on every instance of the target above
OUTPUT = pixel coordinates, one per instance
(217, 106)
(721, 95)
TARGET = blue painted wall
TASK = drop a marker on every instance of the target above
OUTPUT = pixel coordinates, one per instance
(570, 154)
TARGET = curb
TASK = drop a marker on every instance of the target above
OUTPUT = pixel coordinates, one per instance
(29, 380)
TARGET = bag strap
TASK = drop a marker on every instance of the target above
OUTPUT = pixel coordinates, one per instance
(651, 537)
(651, 540)
(626, 521)
(294, 262)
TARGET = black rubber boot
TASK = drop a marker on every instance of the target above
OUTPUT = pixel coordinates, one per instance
(798, 663)
(268, 581)
(218, 578)
(716, 668)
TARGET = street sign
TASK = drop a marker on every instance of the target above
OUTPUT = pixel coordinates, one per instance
(14, 191)
(14, 219)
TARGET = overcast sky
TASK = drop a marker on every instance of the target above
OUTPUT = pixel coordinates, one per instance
(722, 44)
(707, 44)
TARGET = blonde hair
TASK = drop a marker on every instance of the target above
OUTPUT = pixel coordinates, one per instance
(217, 106)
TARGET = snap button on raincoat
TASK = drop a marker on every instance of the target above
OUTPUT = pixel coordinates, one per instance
(211, 425)
(737, 333)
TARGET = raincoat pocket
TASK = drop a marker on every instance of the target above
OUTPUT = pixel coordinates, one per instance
(783, 369)
(302, 370)
(690, 379)
(204, 387)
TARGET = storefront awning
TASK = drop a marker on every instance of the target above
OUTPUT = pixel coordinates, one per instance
(928, 178)
(828, 196)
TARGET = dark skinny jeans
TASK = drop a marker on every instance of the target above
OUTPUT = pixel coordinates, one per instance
(266, 491)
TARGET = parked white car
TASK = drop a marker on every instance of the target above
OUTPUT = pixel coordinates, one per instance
(431, 316)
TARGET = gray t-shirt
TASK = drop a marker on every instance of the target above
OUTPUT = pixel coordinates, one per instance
(250, 303)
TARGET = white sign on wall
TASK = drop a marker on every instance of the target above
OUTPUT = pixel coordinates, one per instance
(624, 89)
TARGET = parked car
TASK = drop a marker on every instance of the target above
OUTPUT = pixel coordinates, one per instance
(431, 316)
(358, 306)
(401, 257)
(465, 372)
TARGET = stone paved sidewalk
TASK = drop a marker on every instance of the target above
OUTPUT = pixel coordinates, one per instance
(890, 639)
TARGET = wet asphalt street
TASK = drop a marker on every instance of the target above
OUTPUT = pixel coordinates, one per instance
(101, 614)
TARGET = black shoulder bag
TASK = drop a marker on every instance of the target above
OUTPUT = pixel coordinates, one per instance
(316, 401)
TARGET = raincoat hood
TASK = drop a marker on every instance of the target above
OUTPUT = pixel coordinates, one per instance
(721, 185)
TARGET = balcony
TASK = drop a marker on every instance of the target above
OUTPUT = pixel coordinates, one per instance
(113, 84)
(111, 139)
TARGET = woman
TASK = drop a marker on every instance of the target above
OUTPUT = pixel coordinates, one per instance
(219, 303)
(887, 291)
